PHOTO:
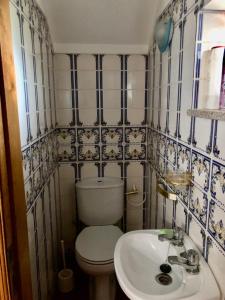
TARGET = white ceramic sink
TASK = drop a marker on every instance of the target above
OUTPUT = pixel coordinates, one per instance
(137, 257)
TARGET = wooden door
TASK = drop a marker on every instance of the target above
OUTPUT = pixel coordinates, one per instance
(15, 281)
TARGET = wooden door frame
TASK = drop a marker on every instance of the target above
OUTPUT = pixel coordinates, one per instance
(14, 255)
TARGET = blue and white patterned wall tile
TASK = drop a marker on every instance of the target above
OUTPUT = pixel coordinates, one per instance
(88, 135)
(112, 152)
(203, 141)
(88, 153)
(112, 135)
(171, 151)
(201, 170)
(114, 169)
(218, 182)
(161, 163)
(162, 146)
(28, 187)
(66, 144)
(197, 234)
(135, 135)
(180, 215)
(198, 205)
(39, 178)
(36, 155)
(219, 145)
(216, 223)
(184, 195)
(27, 163)
(183, 157)
(135, 152)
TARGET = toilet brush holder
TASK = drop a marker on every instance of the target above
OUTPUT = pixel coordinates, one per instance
(65, 276)
(65, 280)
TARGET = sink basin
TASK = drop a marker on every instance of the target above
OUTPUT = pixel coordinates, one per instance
(137, 258)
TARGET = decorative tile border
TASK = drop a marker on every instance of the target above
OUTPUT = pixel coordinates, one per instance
(135, 152)
(216, 223)
(183, 157)
(135, 135)
(112, 135)
(218, 182)
(88, 153)
(201, 170)
(198, 205)
(112, 152)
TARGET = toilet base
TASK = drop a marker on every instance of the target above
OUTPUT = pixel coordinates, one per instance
(102, 287)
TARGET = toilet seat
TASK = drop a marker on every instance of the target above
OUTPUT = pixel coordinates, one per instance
(91, 262)
(96, 244)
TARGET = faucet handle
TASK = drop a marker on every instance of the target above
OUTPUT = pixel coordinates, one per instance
(183, 257)
(178, 233)
(192, 257)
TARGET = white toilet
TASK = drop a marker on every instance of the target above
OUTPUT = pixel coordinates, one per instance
(100, 204)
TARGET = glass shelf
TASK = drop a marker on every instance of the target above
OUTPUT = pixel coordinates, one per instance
(213, 114)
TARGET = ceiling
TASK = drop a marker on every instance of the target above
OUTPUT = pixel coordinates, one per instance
(102, 26)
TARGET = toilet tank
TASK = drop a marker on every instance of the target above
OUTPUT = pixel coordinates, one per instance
(100, 200)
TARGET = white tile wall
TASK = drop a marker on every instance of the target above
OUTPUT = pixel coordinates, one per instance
(34, 80)
(190, 143)
(101, 97)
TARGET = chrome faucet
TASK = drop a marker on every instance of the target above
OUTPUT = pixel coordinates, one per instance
(177, 238)
(188, 259)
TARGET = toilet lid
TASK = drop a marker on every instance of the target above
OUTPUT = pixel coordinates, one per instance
(97, 243)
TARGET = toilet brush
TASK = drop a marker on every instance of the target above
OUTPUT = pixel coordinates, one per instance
(65, 276)
(63, 254)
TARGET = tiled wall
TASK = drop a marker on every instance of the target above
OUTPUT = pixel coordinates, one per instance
(34, 78)
(101, 125)
(101, 110)
(180, 142)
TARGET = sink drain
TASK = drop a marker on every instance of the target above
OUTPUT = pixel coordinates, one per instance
(164, 279)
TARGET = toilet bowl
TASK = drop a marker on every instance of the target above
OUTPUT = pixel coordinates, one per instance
(100, 204)
(94, 250)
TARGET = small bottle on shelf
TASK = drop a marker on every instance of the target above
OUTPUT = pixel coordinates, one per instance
(222, 91)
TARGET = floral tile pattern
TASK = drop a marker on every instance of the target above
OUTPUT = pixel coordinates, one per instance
(218, 182)
(88, 135)
(135, 152)
(201, 170)
(88, 153)
(162, 144)
(66, 144)
(112, 152)
(112, 135)
(171, 151)
(27, 162)
(135, 135)
(183, 158)
(199, 205)
(216, 222)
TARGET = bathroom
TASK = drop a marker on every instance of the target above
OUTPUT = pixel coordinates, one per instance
(117, 95)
